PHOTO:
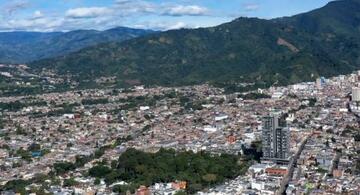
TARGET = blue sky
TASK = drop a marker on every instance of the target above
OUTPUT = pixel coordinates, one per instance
(65, 15)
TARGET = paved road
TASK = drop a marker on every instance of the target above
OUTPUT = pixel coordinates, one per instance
(291, 168)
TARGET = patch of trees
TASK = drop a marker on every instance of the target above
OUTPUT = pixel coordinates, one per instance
(123, 189)
(351, 131)
(190, 104)
(16, 185)
(94, 101)
(80, 161)
(253, 96)
(312, 102)
(62, 109)
(70, 182)
(230, 88)
(200, 170)
(357, 166)
(254, 151)
(11, 90)
(64, 167)
(19, 185)
(24, 154)
(135, 102)
(18, 105)
(121, 140)
(2, 123)
(357, 137)
(68, 108)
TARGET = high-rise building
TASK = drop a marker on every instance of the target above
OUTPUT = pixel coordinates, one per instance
(282, 143)
(355, 97)
(275, 139)
(320, 82)
(268, 124)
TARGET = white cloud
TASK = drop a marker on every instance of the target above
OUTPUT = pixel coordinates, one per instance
(38, 14)
(177, 25)
(163, 25)
(123, 1)
(131, 13)
(129, 7)
(189, 10)
(40, 24)
(15, 6)
(251, 7)
(88, 12)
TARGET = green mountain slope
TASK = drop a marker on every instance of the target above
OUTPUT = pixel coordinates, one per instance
(20, 47)
(285, 50)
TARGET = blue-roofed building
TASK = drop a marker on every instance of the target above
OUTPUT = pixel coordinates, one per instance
(36, 154)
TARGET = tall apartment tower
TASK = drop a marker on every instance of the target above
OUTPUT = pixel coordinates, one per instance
(275, 139)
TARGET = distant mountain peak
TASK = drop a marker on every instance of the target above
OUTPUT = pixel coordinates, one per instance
(20, 47)
(325, 41)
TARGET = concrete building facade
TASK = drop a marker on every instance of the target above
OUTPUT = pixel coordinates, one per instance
(275, 139)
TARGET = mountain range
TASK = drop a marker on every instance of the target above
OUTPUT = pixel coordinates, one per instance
(21, 47)
(325, 42)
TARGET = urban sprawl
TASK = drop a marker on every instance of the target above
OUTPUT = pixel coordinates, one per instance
(298, 139)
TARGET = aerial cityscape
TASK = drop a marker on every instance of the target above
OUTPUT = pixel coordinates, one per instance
(256, 103)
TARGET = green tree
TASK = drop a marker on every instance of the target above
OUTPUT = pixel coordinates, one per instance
(180, 192)
(97, 181)
(209, 178)
(99, 171)
(70, 182)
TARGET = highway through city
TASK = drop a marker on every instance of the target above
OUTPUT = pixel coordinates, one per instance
(291, 167)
